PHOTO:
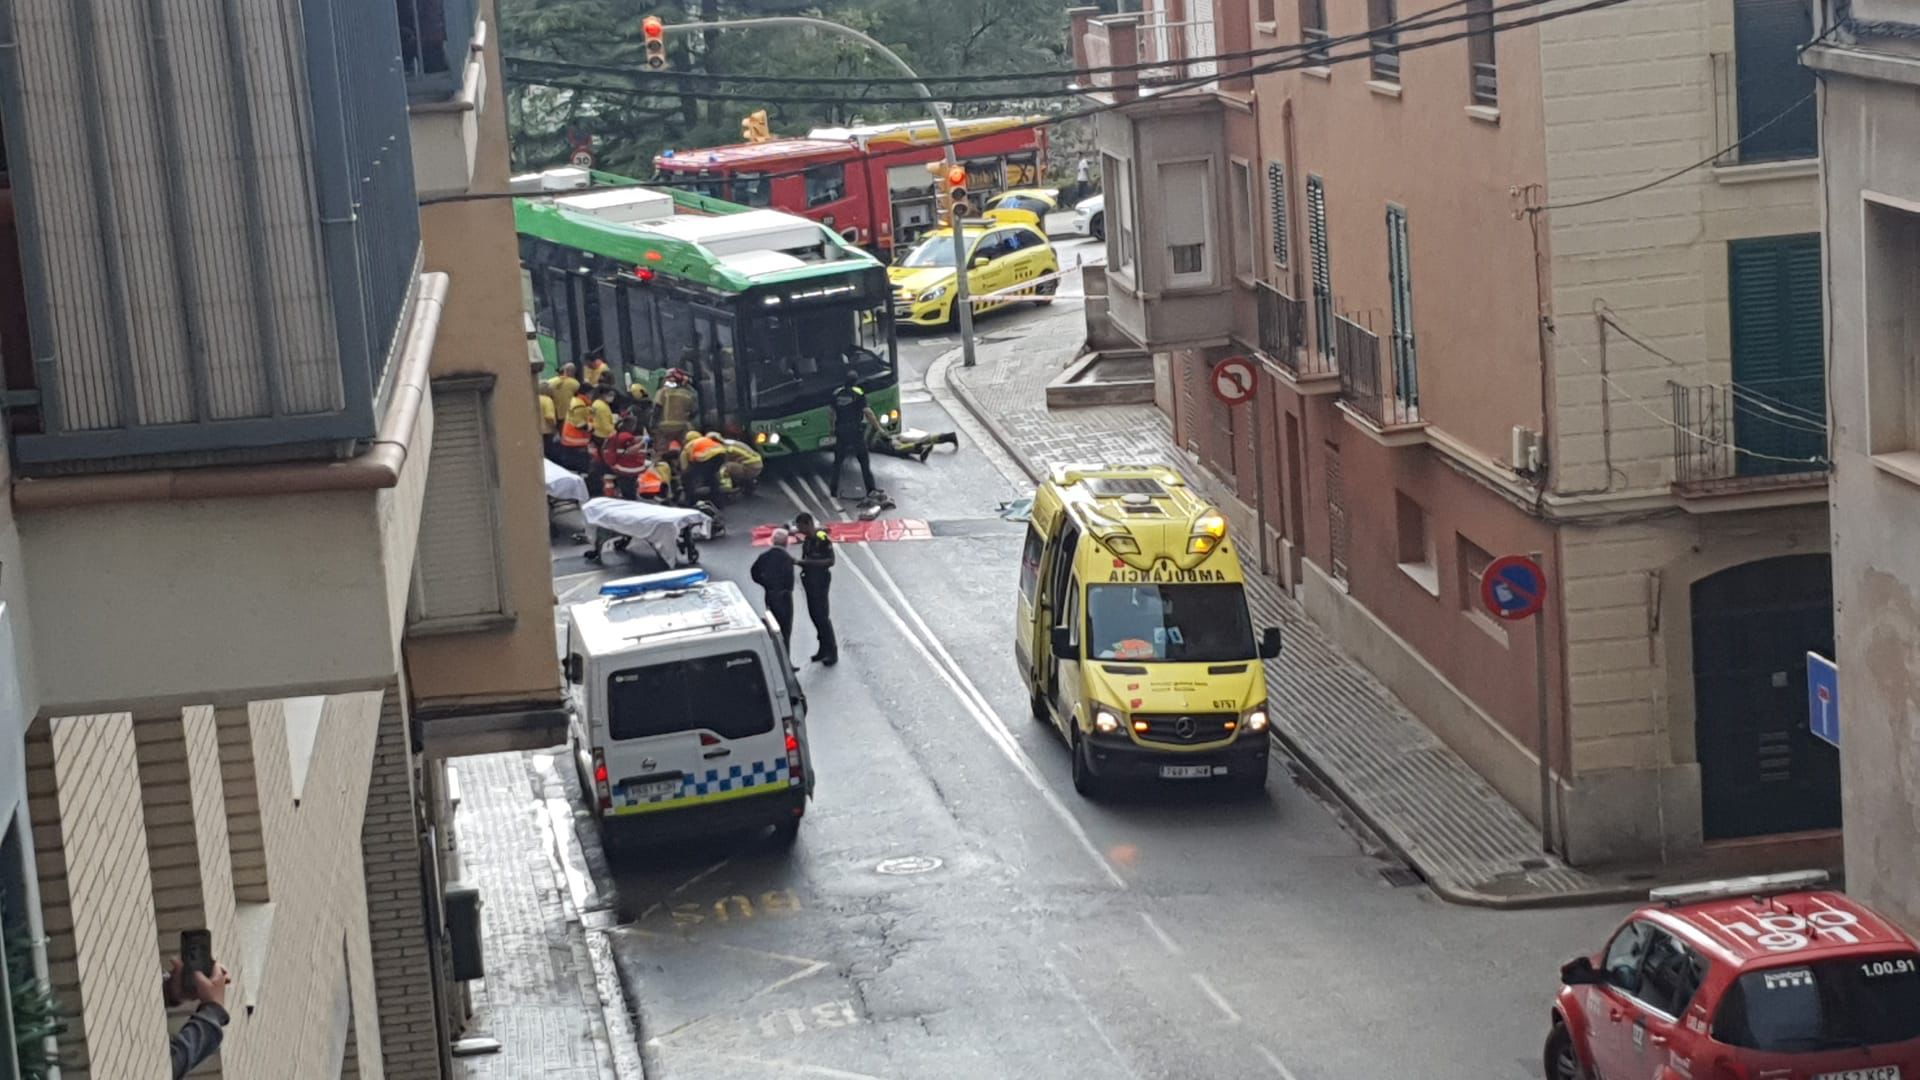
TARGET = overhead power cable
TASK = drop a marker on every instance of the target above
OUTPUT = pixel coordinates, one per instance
(1030, 76)
(1159, 91)
(1678, 173)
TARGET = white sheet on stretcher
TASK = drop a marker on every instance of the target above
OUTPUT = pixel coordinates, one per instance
(649, 523)
(564, 485)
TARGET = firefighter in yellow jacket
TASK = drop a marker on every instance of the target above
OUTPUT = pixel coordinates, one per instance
(676, 408)
(743, 466)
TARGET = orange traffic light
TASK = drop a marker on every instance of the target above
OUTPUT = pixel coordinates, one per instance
(957, 176)
(656, 35)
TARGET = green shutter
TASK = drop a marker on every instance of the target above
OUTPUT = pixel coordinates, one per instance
(1770, 81)
(1779, 400)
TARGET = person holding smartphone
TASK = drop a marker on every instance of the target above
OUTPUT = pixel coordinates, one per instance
(205, 982)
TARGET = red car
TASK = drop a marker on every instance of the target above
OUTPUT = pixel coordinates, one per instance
(1761, 978)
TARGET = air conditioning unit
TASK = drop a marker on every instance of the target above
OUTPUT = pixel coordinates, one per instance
(1524, 452)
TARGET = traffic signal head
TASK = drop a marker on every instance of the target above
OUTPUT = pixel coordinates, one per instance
(959, 207)
(753, 127)
(656, 35)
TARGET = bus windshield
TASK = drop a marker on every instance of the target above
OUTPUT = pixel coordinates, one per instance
(1182, 623)
(798, 357)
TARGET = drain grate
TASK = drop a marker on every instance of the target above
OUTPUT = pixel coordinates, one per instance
(1400, 877)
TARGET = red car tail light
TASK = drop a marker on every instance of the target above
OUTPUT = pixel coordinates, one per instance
(601, 791)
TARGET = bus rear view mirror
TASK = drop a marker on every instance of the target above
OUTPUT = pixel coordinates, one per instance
(575, 668)
(1064, 647)
(1270, 643)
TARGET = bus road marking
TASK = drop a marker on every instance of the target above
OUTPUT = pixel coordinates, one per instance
(1219, 1002)
(1166, 941)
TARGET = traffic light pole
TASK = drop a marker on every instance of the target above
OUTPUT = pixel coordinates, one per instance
(962, 299)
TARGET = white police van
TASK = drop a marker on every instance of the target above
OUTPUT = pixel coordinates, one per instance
(686, 719)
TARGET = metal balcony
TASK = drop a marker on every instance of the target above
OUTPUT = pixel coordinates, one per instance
(1732, 439)
(1283, 334)
(435, 38)
(1380, 391)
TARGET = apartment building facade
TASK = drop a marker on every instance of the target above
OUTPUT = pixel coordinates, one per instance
(1868, 58)
(267, 418)
(1476, 343)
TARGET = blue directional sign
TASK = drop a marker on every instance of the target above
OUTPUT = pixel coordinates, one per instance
(1513, 587)
(1823, 698)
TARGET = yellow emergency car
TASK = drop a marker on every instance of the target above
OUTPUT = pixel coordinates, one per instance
(999, 257)
(1133, 632)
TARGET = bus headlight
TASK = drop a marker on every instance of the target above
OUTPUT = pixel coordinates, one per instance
(1256, 720)
(1105, 722)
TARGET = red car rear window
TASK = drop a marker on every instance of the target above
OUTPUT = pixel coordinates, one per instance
(1829, 1005)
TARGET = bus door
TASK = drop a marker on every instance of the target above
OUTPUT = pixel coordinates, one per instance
(717, 374)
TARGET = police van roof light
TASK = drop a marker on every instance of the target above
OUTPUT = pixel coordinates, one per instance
(670, 581)
(1756, 885)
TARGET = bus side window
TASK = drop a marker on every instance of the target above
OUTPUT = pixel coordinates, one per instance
(676, 328)
(607, 302)
(644, 332)
(566, 334)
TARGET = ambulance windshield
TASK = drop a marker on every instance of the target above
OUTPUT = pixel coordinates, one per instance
(1179, 623)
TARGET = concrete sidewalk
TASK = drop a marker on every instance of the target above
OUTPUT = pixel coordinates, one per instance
(1338, 721)
(542, 997)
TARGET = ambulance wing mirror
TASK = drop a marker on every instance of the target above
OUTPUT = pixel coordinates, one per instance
(1064, 647)
(575, 668)
(1580, 971)
(1270, 643)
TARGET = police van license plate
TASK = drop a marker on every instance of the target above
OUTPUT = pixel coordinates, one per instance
(1884, 1072)
(1189, 772)
(653, 789)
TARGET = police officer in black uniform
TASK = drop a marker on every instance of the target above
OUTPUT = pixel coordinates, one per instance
(816, 574)
(851, 415)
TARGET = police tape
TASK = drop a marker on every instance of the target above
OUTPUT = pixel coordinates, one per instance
(1025, 289)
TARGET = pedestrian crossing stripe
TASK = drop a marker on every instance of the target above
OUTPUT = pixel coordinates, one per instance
(859, 532)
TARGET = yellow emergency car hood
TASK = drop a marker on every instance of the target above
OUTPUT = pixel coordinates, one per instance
(1234, 686)
(917, 280)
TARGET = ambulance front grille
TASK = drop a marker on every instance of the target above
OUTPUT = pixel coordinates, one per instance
(1199, 727)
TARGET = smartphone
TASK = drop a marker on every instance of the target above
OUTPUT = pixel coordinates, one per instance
(196, 951)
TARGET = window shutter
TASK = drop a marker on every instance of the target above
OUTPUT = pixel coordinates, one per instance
(457, 566)
(1322, 268)
(1406, 374)
(1773, 291)
(1277, 210)
(1767, 37)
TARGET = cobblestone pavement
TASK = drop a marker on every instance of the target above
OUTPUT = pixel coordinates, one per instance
(1342, 725)
(539, 997)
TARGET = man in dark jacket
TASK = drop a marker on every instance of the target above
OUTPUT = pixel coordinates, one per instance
(816, 575)
(199, 1038)
(773, 572)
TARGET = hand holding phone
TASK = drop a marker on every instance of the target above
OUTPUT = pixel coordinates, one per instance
(196, 951)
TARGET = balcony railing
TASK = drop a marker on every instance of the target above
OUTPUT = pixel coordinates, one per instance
(1736, 438)
(257, 318)
(1386, 56)
(1316, 39)
(1486, 84)
(1172, 43)
(1371, 384)
(435, 37)
(1283, 332)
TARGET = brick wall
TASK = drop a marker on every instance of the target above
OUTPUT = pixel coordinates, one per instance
(405, 957)
(132, 842)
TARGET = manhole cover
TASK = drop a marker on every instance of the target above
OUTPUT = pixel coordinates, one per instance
(908, 864)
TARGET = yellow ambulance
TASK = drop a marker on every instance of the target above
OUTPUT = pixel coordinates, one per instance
(1133, 633)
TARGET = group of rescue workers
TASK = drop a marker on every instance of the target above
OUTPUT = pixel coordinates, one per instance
(633, 444)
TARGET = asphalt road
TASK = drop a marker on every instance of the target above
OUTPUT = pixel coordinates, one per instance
(953, 909)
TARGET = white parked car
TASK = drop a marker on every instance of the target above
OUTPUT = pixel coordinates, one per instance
(1090, 217)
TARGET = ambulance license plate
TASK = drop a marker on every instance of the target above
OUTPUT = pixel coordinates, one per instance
(1884, 1072)
(655, 789)
(1186, 772)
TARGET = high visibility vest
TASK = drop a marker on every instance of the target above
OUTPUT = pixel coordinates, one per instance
(562, 390)
(595, 374)
(676, 405)
(578, 430)
(741, 453)
(704, 449)
(603, 424)
(651, 483)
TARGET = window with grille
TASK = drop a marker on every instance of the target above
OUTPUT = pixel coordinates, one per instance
(1277, 211)
(1483, 72)
(1322, 265)
(1776, 121)
(458, 570)
(1406, 373)
(1313, 27)
(1384, 39)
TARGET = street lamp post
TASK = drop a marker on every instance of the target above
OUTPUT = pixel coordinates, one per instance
(962, 304)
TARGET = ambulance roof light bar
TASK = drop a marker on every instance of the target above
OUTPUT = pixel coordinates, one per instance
(1757, 885)
(667, 582)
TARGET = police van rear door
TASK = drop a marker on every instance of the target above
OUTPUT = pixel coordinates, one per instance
(683, 729)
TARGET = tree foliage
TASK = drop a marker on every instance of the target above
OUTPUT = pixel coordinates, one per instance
(627, 129)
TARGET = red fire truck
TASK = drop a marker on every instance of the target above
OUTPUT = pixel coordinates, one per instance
(870, 183)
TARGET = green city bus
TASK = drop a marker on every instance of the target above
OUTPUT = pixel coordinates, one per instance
(764, 309)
